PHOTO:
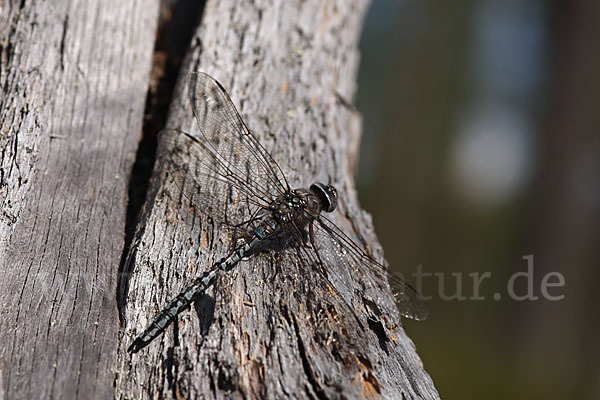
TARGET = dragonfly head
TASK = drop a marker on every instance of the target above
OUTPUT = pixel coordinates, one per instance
(327, 194)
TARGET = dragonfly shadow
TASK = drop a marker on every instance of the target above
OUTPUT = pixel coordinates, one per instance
(204, 306)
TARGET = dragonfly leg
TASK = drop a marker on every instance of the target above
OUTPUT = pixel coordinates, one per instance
(256, 217)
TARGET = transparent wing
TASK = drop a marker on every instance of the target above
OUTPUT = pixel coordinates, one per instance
(209, 184)
(335, 246)
(236, 151)
(225, 172)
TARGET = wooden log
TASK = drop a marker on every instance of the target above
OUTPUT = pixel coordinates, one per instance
(272, 327)
(74, 78)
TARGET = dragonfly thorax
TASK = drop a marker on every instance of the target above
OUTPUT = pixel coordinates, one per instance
(302, 206)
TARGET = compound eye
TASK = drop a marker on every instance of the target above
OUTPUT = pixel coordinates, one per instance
(326, 194)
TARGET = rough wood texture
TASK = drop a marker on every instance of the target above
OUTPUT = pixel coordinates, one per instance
(271, 328)
(74, 78)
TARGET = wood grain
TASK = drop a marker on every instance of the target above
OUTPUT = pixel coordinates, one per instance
(271, 328)
(74, 77)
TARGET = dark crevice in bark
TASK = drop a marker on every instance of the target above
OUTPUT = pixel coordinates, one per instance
(303, 355)
(171, 366)
(178, 19)
(377, 327)
(63, 40)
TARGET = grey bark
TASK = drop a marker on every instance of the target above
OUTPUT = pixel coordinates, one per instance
(271, 328)
(74, 79)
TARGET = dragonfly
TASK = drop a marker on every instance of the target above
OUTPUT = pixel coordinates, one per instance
(240, 169)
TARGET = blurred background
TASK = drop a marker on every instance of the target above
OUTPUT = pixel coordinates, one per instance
(481, 146)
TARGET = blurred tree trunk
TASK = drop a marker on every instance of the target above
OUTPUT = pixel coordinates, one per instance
(565, 209)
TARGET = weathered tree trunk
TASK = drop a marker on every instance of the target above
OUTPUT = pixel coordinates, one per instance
(74, 79)
(269, 329)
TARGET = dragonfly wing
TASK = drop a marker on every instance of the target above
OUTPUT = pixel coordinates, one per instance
(209, 185)
(225, 133)
(335, 247)
(224, 171)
